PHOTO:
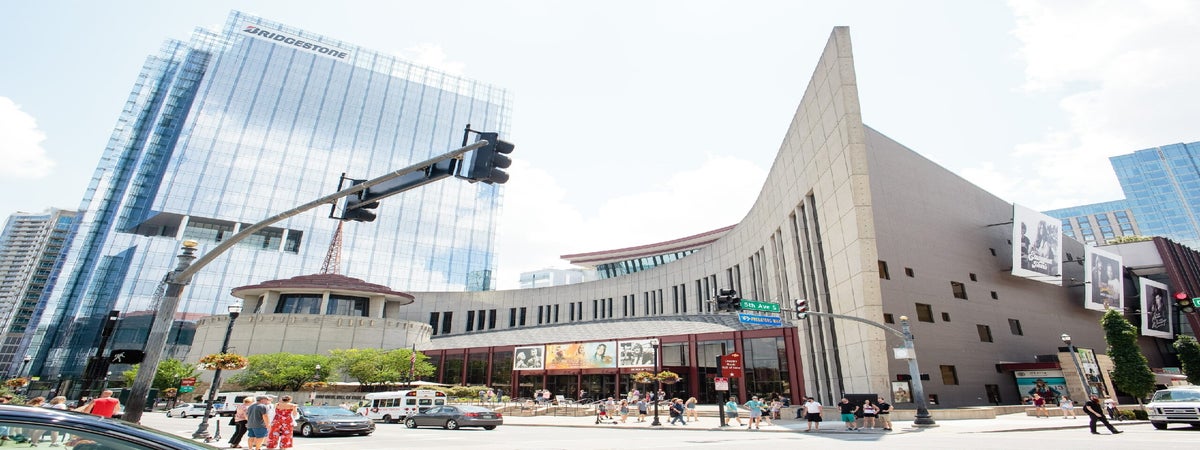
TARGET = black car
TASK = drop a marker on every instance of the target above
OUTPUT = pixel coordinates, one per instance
(318, 420)
(453, 417)
(85, 431)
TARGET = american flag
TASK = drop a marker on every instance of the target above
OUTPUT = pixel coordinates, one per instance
(412, 372)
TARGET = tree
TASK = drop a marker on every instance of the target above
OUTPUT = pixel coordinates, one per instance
(1189, 357)
(170, 373)
(283, 371)
(1132, 372)
(371, 366)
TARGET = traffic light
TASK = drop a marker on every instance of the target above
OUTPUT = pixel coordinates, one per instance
(356, 209)
(801, 309)
(728, 301)
(487, 161)
(1184, 303)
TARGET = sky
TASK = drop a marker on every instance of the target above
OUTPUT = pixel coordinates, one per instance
(643, 121)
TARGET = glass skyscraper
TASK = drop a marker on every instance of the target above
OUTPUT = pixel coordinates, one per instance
(234, 126)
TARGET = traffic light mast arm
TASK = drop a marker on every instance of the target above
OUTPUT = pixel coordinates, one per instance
(856, 319)
(186, 275)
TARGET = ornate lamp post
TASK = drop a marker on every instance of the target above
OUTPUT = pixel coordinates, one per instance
(1066, 338)
(202, 431)
(923, 418)
(657, 361)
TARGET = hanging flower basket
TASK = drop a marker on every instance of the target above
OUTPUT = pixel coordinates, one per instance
(170, 392)
(224, 361)
(18, 382)
(643, 377)
(314, 385)
(668, 377)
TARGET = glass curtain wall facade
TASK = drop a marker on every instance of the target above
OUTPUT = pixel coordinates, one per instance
(237, 125)
(1162, 186)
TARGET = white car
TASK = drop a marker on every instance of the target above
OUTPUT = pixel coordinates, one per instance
(188, 410)
(1177, 404)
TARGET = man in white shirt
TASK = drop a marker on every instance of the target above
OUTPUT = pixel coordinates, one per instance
(812, 410)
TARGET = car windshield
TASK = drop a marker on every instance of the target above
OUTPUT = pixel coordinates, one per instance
(327, 411)
(1177, 396)
(468, 408)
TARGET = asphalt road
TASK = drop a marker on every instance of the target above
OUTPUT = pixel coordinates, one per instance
(947, 436)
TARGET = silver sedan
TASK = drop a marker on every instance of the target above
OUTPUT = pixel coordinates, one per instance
(453, 417)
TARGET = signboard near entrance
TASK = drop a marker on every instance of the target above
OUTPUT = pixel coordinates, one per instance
(731, 365)
(721, 384)
(187, 385)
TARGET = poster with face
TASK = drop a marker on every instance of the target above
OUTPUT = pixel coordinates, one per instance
(1104, 280)
(1037, 244)
(582, 355)
(1156, 310)
(636, 353)
(901, 392)
(529, 358)
(1048, 384)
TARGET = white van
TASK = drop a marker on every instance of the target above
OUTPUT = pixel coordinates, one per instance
(395, 406)
(226, 402)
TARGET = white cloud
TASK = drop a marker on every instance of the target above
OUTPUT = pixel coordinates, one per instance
(21, 144)
(1124, 75)
(539, 224)
(432, 55)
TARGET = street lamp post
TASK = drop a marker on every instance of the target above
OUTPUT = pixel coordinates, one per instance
(1066, 338)
(657, 399)
(316, 379)
(923, 418)
(104, 386)
(25, 364)
(202, 431)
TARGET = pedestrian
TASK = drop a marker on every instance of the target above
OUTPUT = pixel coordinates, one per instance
(812, 413)
(282, 424)
(59, 403)
(1068, 407)
(624, 410)
(104, 406)
(885, 414)
(258, 421)
(642, 409)
(869, 412)
(1039, 404)
(690, 404)
(1092, 408)
(677, 411)
(776, 406)
(848, 409)
(755, 408)
(731, 412)
(1110, 405)
(239, 422)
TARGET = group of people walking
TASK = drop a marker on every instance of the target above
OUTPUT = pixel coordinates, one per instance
(759, 411)
(265, 425)
(870, 414)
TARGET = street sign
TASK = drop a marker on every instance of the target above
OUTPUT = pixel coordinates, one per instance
(721, 384)
(754, 305)
(770, 321)
(126, 357)
(731, 365)
(187, 385)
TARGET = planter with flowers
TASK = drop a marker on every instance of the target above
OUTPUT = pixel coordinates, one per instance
(668, 377)
(16, 383)
(224, 361)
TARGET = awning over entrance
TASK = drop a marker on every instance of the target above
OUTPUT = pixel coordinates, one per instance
(1011, 367)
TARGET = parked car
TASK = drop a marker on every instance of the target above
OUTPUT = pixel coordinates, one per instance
(187, 410)
(321, 420)
(1177, 404)
(45, 424)
(453, 417)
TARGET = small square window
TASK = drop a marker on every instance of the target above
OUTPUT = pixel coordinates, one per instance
(908, 271)
(985, 333)
(924, 312)
(949, 375)
(1015, 326)
(887, 318)
(993, 251)
(995, 296)
(960, 290)
(945, 317)
(883, 271)
(974, 278)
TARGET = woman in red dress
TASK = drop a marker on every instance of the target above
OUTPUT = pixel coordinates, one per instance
(281, 425)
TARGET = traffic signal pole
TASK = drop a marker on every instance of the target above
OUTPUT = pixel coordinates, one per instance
(189, 264)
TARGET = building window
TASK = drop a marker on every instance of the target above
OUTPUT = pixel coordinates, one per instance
(992, 250)
(945, 317)
(512, 317)
(985, 333)
(949, 375)
(887, 318)
(341, 305)
(960, 290)
(491, 319)
(995, 296)
(447, 321)
(298, 304)
(1015, 326)
(470, 320)
(883, 271)
(924, 312)
(974, 278)
(521, 320)
(434, 319)
(908, 271)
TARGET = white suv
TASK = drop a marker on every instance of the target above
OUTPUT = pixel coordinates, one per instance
(1178, 404)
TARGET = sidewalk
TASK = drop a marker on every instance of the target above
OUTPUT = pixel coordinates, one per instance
(1003, 423)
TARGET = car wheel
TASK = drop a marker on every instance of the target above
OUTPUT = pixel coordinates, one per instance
(451, 425)
(306, 430)
(411, 423)
(168, 414)
(387, 418)
(490, 427)
(1159, 425)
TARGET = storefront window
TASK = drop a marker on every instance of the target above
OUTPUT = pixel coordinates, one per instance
(477, 369)
(452, 369)
(765, 362)
(501, 369)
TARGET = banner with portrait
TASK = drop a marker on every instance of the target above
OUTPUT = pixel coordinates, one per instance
(636, 353)
(901, 392)
(1104, 280)
(1048, 384)
(581, 355)
(1156, 310)
(1037, 246)
(529, 358)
